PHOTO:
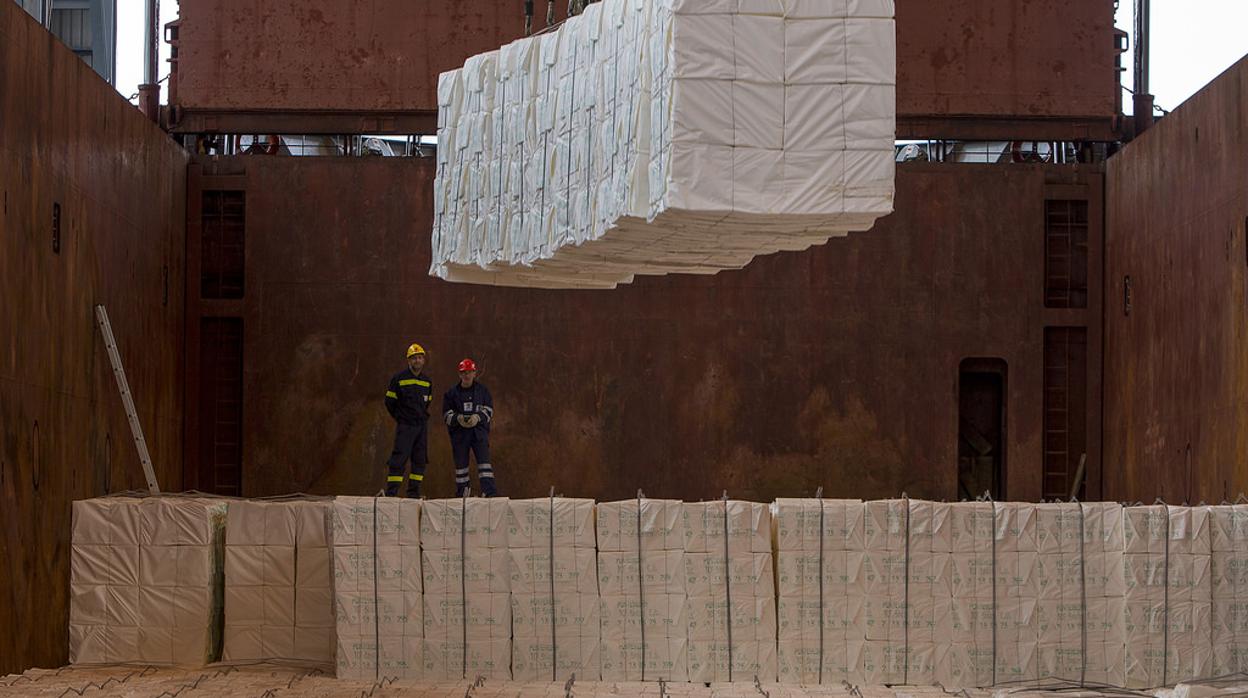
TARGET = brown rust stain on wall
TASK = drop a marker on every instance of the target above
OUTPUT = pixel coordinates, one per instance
(67, 138)
(985, 58)
(837, 366)
(1176, 367)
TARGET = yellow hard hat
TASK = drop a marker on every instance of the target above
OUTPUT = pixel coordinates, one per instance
(414, 350)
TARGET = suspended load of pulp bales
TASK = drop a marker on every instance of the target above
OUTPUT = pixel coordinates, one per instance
(665, 136)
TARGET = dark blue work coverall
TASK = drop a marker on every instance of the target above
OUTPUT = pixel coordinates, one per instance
(473, 400)
(407, 400)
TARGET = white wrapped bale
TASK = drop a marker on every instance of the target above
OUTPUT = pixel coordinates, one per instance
(641, 580)
(378, 606)
(664, 136)
(554, 589)
(467, 586)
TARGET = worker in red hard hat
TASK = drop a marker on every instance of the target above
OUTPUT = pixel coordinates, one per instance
(468, 410)
(407, 400)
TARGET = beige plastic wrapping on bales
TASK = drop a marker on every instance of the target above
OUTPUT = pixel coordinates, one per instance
(1167, 594)
(278, 584)
(145, 580)
(730, 591)
(641, 582)
(554, 589)
(377, 600)
(1228, 526)
(819, 546)
(1103, 605)
(467, 583)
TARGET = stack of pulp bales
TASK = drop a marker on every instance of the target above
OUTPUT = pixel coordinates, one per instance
(554, 589)
(375, 547)
(1060, 591)
(278, 586)
(730, 585)
(883, 587)
(819, 556)
(1189, 595)
(1017, 593)
(1104, 615)
(969, 656)
(641, 577)
(467, 611)
(145, 580)
(1167, 594)
(929, 594)
(1229, 571)
(654, 137)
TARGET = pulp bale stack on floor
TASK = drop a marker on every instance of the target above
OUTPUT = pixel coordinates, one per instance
(641, 577)
(883, 594)
(554, 589)
(730, 587)
(467, 611)
(1167, 594)
(886, 591)
(378, 601)
(145, 580)
(969, 653)
(1229, 573)
(278, 586)
(655, 137)
(1103, 599)
(818, 546)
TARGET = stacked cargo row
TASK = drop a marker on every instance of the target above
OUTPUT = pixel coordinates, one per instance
(810, 591)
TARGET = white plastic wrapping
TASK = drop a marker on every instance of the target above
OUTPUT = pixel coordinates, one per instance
(553, 574)
(466, 561)
(664, 136)
(378, 605)
(641, 579)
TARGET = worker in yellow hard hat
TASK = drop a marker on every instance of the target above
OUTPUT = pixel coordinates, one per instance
(407, 400)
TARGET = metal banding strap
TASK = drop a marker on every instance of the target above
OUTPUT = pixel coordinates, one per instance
(819, 499)
(905, 604)
(463, 585)
(992, 534)
(641, 592)
(554, 646)
(1083, 601)
(376, 602)
(1165, 614)
(727, 585)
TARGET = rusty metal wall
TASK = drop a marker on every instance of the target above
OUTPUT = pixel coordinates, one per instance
(67, 139)
(1036, 69)
(837, 366)
(1176, 365)
(1023, 61)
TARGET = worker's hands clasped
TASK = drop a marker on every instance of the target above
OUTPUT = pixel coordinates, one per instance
(468, 421)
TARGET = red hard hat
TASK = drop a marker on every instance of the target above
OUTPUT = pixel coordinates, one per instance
(467, 365)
